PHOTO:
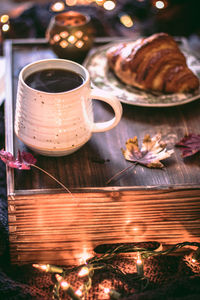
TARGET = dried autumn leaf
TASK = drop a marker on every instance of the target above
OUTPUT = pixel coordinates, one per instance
(23, 161)
(151, 153)
(190, 144)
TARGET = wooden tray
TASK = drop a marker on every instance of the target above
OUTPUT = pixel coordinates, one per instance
(46, 224)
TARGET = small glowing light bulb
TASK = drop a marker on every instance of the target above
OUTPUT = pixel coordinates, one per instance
(196, 255)
(58, 277)
(79, 292)
(106, 291)
(139, 261)
(83, 272)
(64, 284)
(160, 4)
(48, 268)
(84, 256)
(139, 265)
(67, 288)
(41, 267)
(112, 293)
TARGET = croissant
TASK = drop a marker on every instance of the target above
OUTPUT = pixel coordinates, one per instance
(153, 64)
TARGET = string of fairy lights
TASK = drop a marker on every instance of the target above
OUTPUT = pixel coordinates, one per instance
(104, 262)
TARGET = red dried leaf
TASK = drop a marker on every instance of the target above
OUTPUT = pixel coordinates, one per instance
(190, 144)
(23, 161)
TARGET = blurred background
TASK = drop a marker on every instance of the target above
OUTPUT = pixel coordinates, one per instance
(128, 18)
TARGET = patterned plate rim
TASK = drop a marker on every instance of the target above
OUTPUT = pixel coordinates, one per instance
(100, 51)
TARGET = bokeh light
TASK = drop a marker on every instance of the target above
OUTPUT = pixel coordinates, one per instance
(126, 21)
(4, 18)
(58, 6)
(160, 4)
(109, 5)
(5, 27)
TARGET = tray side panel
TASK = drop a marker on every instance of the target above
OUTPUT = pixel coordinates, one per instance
(63, 229)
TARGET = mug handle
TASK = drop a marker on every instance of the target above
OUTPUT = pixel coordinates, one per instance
(114, 103)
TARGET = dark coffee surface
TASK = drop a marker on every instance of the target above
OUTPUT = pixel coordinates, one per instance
(54, 80)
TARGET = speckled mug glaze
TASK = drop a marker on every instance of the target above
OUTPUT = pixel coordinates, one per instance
(57, 124)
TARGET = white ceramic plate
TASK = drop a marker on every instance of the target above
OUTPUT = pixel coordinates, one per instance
(102, 77)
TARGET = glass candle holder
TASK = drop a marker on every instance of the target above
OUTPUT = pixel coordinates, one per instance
(70, 35)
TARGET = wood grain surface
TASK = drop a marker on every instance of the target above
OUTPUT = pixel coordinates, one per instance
(47, 225)
(62, 229)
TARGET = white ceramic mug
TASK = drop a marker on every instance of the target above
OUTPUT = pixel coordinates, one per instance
(57, 124)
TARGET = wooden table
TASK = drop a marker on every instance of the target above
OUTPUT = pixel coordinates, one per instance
(46, 224)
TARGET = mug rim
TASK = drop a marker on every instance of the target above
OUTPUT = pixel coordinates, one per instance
(85, 80)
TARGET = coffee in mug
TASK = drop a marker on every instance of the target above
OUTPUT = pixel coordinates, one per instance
(54, 113)
(54, 80)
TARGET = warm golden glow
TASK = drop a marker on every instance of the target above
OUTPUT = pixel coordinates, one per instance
(72, 39)
(126, 20)
(99, 2)
(56, 38)
(84, 256)
(64, 44)
(79, 44)
(58, 277)
(4, 18)
(5, 27)
(109, 5)
(79, 34)
(139, 261)
(64, 285)
(71, 2)
(41, 267)
(159, 4)
(85, 38)
(58, 6)
(79, 292)
(64, 34)
(83, 272)
(106, 291)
